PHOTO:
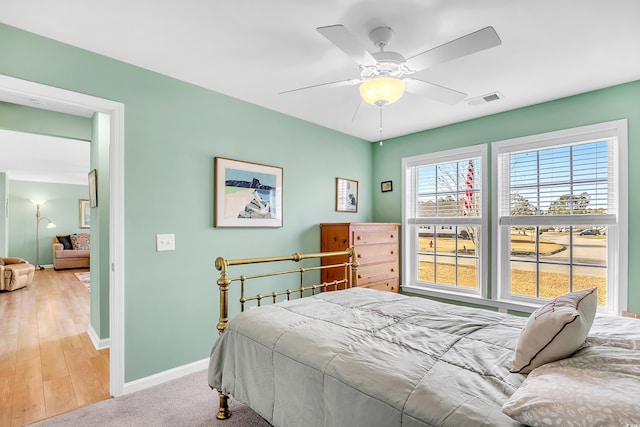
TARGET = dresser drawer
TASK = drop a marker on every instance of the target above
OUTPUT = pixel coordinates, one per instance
(374, 254)
(389, 285)
(368, 236)
(374, 273)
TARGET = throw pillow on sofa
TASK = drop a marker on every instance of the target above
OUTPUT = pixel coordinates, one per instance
(66, 242)
(80, 241)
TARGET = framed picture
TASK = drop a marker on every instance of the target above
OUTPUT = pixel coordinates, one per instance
(93, 188)
(386, 186)
(247, 194)
(85, 216)
(346, 195)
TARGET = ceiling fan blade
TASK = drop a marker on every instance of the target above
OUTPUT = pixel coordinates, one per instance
(465, 45)
(348, 82)
(435, 92)
(343, 39)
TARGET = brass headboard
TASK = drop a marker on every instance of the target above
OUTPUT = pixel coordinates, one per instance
(224, 281)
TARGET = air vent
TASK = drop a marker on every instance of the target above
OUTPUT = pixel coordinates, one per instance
(485, 98)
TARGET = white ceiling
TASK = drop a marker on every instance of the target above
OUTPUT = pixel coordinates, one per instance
(254, 49)
(30, 157)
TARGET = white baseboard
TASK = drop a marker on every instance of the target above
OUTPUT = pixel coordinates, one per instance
(163, 377)
(97, 342)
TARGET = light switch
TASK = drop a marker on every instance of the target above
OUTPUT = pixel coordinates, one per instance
(165, 242)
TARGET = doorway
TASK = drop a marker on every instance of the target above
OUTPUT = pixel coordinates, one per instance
(17, 91)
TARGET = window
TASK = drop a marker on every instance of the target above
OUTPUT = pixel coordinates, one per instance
(560, 215)
(443, 217)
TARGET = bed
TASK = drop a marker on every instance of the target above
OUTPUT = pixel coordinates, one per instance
(362, 357)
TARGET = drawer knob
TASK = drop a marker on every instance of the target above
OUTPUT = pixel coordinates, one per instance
(358, 238)
(391, 252)
(392, 270)
(359, 276)
(359, 256)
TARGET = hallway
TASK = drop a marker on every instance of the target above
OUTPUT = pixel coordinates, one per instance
(48, 364)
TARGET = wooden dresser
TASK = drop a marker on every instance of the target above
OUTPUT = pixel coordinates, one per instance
(376, 245)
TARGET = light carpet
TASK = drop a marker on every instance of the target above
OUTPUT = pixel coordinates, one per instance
(85, 278)
(186, 401)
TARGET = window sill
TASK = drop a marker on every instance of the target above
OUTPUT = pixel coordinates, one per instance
(455, 297)
(477, 300)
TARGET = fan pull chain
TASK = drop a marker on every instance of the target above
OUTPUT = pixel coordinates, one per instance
(380, 126)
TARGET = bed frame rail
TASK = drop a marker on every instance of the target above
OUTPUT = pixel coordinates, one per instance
(225, 281)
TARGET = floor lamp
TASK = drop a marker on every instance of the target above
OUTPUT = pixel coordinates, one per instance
(50, 224)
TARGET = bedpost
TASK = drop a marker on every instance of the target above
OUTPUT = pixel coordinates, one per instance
(223, 284)
(354, 267)
(223, 410)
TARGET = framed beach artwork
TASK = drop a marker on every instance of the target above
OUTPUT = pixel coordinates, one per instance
(247, 194)
(85, 218)
(346, 195)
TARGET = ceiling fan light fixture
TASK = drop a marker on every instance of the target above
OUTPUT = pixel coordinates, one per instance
(382, 90)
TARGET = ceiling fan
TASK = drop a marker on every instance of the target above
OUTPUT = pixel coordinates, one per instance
(384, 75)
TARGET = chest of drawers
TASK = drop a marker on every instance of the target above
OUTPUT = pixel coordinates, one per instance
(376, 245)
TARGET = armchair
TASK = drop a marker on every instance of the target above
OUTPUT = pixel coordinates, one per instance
(15, 273)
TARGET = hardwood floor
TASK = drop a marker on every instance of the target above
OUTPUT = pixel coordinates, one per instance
(48, 364)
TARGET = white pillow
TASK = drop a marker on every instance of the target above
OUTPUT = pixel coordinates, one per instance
(568, 393)
(555, 330)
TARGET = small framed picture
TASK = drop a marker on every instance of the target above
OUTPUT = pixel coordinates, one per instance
(346, 195)
(386, 186)
(93, 188)
(85, 215)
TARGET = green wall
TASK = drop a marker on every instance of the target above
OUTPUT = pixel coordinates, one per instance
(20, 118)
(173, 130)
(618, 102)
(4, 225)
(62, 208)
(100, 227)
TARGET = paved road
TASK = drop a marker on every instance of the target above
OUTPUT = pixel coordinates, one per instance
(586, 250)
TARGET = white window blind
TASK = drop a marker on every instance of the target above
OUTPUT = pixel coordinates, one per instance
(559, 183)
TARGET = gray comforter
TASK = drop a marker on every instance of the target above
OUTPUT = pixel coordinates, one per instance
(361, 357)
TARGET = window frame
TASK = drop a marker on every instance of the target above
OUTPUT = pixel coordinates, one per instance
(409, 229)
(617, 222)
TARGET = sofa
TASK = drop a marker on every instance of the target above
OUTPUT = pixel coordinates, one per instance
(71, 251)
(15, 273)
